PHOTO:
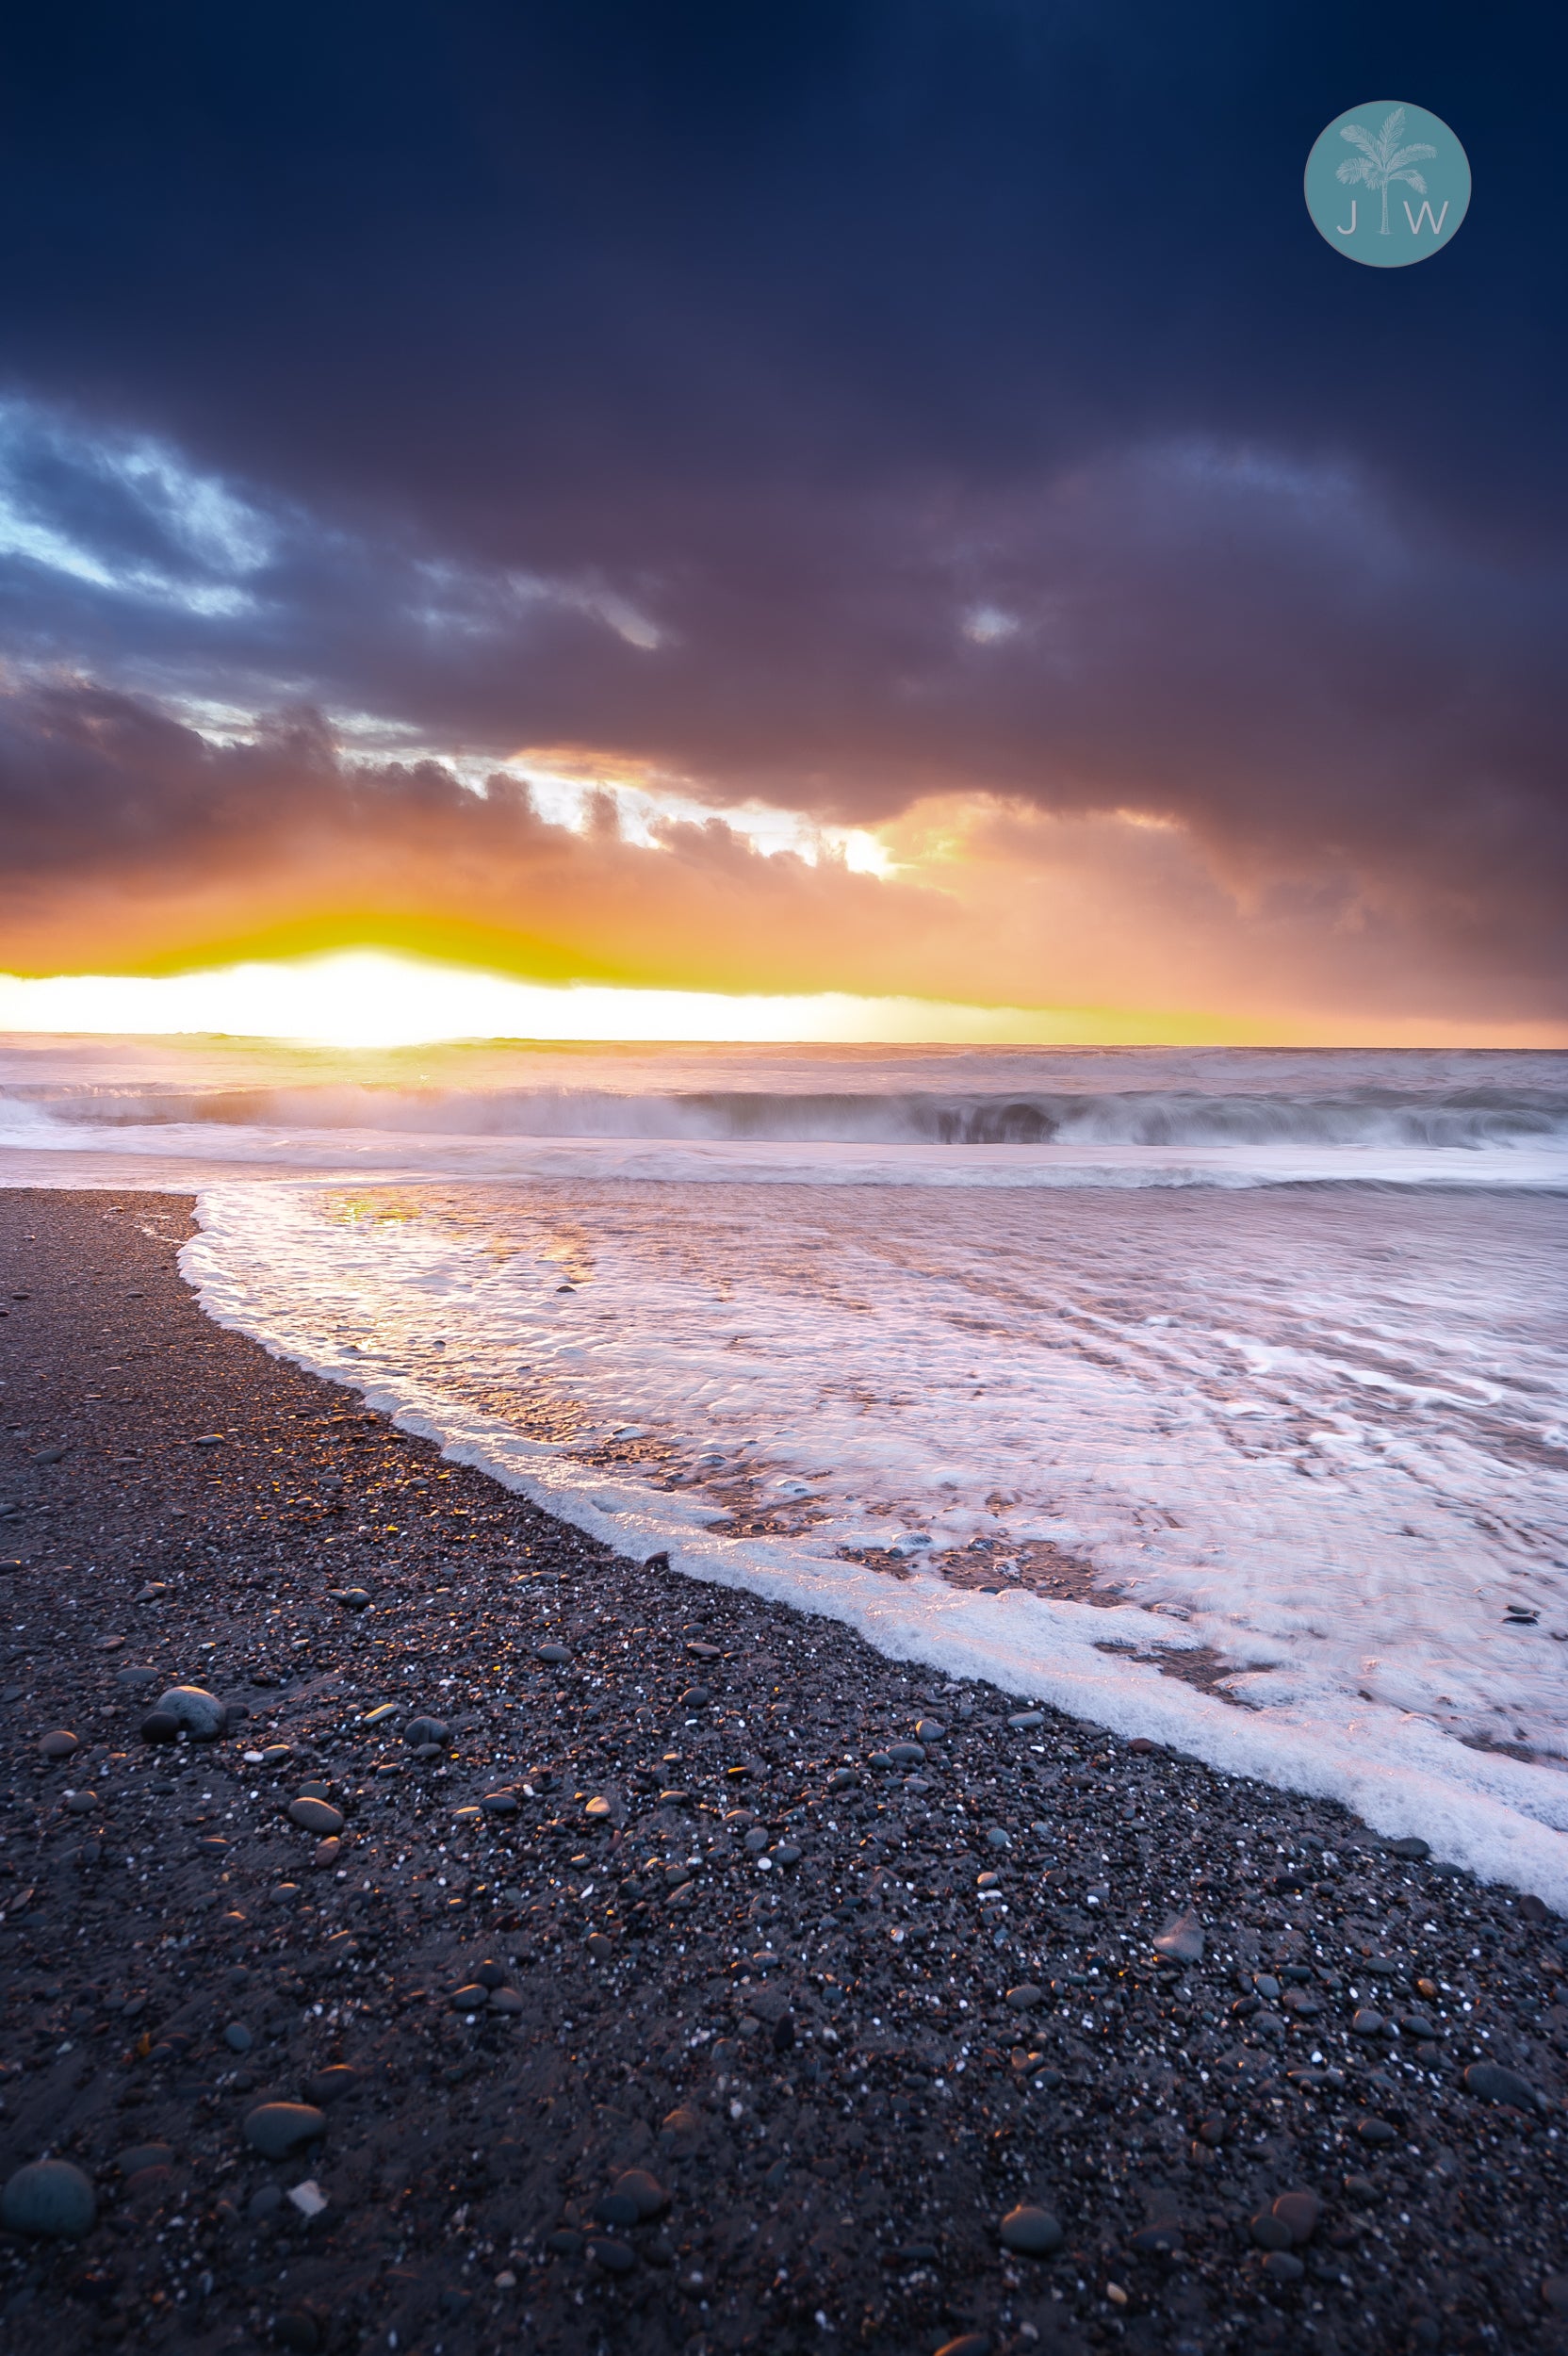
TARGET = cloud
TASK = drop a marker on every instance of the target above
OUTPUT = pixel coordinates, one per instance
(140, 845)
(1338, 705)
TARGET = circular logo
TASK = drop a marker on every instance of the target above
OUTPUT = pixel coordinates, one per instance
(1387, 184)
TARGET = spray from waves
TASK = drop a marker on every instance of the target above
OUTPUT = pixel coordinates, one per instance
(1473, 1118)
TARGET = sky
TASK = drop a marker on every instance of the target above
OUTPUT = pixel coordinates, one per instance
(871, 505)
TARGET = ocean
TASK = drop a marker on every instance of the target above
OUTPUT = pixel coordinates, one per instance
(1212, 1395)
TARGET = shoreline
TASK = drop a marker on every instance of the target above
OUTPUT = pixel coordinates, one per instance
(843, 2066)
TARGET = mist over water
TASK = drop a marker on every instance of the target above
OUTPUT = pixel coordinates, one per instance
(1239, 1379)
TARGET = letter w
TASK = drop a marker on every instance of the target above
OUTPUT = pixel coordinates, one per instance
(1416, 220)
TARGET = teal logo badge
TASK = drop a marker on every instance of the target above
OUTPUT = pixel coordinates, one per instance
(1387, 184)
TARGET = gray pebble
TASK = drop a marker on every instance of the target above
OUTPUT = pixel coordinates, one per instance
(194, 1710)
(314, 1815)
(1035, 2232)
(238, 2038)
(49, 2198)
(422, 1733)
(276, 2129)
(1495, 2082)
(1182, 1939)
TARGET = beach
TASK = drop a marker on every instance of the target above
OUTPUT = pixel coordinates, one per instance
(850, 1960)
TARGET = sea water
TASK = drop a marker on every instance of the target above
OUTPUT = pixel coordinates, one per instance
(1219, 1396)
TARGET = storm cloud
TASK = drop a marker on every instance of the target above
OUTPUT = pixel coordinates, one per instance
(871, 413)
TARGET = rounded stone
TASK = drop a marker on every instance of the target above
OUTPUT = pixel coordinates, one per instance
(1375, 2131)
(195, 1711)
(613, 2256)
(616, 2208)
(1025, 1998)
(317, 1816)
(59, 1744)
(1366, 2022)
(1281, 2266)
(1494, 2081)
(426, 1734)
(1033, 2232)
(160, 1725)
(680, 2133)
(49, 2198)
(238, 2038)
(555, 1655)
(598, 1808)
(277, 2129)
(1270, 2231)
(1300, 2211)
(646, 2191)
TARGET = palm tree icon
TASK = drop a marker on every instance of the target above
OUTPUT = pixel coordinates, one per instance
(1382, 159)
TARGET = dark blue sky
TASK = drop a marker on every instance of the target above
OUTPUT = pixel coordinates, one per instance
(836, 404)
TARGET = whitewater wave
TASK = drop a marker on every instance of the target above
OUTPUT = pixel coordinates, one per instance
(1456, 1121)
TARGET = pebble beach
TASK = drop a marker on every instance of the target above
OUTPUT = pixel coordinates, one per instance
(424, 1929)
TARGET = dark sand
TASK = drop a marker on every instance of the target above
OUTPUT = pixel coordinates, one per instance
(839, 2131)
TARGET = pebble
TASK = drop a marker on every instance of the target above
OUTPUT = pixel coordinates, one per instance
(49, 2198)
(238, 2038)
(695, 1698)
(613, 2256)
(136, 1678)
(333, 2083)
(1033, 2232)
(194, 1710)
(1282, 2267)
(139, 2155)
(1023, 1719)
(1366, 2023)
(276, 2129)
(680, 2133)
(60, 1744)
(1025, 1998)
(555, 1655)
(314, 1815)
(645, 2191)
(1182, 1939)
(159, 1726)
(967, 2343)
(80, 1802)
(426, 1734)
(598, 1808)
(1375, 2131)
(1495, 2082)
(1299, 2212)
(505, 1803)
(353, 1598)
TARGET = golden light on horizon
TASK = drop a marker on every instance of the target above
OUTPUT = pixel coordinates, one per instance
(371, 998)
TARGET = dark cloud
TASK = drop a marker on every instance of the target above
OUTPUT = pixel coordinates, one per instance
(843, 405)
